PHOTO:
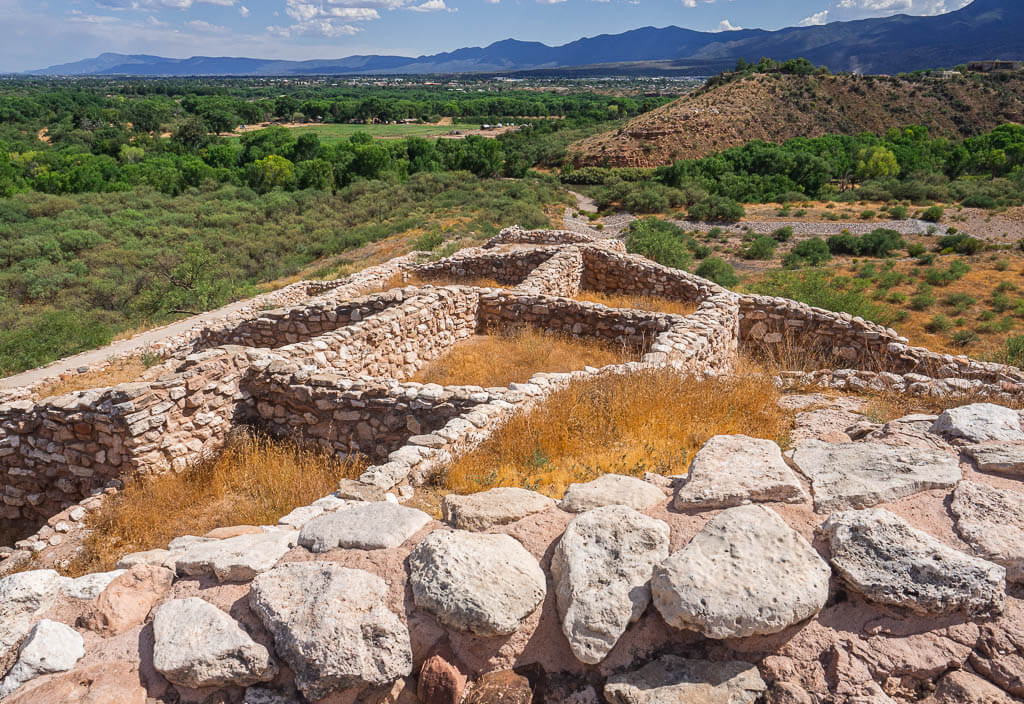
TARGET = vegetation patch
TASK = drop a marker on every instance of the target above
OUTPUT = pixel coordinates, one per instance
(655, 304)
(653, 421)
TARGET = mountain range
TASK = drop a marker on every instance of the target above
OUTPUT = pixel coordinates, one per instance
(985, 29)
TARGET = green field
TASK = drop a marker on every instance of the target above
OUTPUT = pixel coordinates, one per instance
(332, 133)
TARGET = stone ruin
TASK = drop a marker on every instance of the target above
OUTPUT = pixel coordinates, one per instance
(871, 563)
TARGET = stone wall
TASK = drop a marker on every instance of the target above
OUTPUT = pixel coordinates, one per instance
(518, 235)
(558, 276)
(613, 272)
(507, 268)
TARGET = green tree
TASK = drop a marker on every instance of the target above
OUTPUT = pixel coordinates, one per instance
(271, 172)
(877, 163)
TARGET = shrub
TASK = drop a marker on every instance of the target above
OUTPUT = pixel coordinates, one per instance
(1000, 302)
(938, 323)
(719, 271)
(661, 241)
(1014, 350)
(783, 234)
(916, 249)
(961, 243)
(962, 338)
(867, 214)
(880, 242)
(960, 302)
(761, 248)
(933, 214)
(979, 201)
(824, 290)
(898, 212)
(923, 299)
(810, 252)
(716, 209)
(926, 259)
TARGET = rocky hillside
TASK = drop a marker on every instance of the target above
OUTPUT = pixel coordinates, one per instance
(776, 107)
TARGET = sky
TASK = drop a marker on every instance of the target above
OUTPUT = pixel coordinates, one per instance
(40, 33)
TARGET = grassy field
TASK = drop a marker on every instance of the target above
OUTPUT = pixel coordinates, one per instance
(333, 133)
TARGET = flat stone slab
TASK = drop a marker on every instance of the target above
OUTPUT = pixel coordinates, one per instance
(997, 457)
(675, 680)
(611, 489)
(331, 626)
(602, 569)
(50, 647)
(359, 491)
(481, 583)
(89, 586)
(363, 526)
(237, 559)
(745, 573)
(980, 422)
(991, 521)
(494, 507)
(861, 474)
(731, 470)
(23, 596)
(198, 645)
(885, 559)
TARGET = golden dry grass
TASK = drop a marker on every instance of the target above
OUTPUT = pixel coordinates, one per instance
(654, 421)
(655, 304)
(118, 372)
(515, 355)
(415, 279)
(253, 481)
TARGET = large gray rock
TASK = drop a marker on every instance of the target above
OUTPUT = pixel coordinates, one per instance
(331, 626)
(602, 569)
(675, 680)
(89, 586)
(494, 507)
(365, 526)
(991, 521)
(731, 470)
(861, 474)
(198, 645)
(746, 573)
(476, 582)
(608, 490)
(237, 559)
(997, 457)
(23, 596)
(50, 647)
(882, 557)
(980, 422)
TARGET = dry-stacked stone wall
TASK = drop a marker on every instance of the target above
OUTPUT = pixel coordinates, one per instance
(612, 272)
(518, 235)
(560, 275)
(507, 268)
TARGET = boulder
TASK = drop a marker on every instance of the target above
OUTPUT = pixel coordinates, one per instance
(331, 626)
(128, 599)
(440, 681)
(731, 470)
(476, 582)
(50, 647)
(997, 457)
(991, 521)
(359, 491)
(158, 557)
(746, 573)
(959, 687)
(237, 559)
(980, 422)
(609, 489)
(23, 596)
(602, 569)
(198, 645)
(364, 526)
(103, 683)
(862, 474)
(494, 507)
(883, 558)
(89, 586)
(502, 687)
(675, 680)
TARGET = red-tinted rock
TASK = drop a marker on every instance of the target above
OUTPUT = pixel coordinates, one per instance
(440, 682)
(106, 683)
(505, 687)
(128, 599)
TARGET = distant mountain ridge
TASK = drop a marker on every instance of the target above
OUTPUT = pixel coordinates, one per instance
(984, 29)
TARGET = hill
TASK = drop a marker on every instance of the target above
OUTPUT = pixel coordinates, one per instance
(776, 107)
(984, 29)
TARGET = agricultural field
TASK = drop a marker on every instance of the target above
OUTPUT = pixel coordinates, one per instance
(331, 133)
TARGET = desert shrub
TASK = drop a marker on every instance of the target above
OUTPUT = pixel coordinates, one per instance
(926, 259)
(783, 234)
(923, 299)
(867, 214)
(898, 212)
(961, 243)
(716, 209)
(719, 271)
(661, 241)
(980, 201)
(933, 214)
(915, 249)
(760, 248)
(810, 252)
(938, 323)
(1014, 350)
(825, 290)
(962, 338)
(959, 302)
(428, 242)
(880, 242)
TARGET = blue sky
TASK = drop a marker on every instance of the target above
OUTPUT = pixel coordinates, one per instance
(46, 32)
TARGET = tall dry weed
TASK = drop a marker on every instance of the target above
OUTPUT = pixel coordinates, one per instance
(656, 304)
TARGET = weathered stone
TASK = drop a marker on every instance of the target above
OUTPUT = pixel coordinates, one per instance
(602, 569)
(89, 586)
(494, 507)
(236, 559)
(882, 557)
(198, 645)
(980, 422)
(440, 682)
(991, 521)
(128, 599)
(50, 647)
(675, 680)
(23, 596)
(331, 626)
(731, 470)
(365, 526)
(746, 573)
(476, 582)
(103, 683)
(959, 687)
(359, 491)
(503, 687)
(609, 489)
(862, 474)
(158, 557)
(998, 457)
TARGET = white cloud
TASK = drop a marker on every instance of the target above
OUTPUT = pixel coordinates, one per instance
(431, 6)
(201, 26)
(159, 4)
(549, 2)
(815, 19)
(314, 28)
(244, 11)
(693, 3)
(843, 10)
(726, 26)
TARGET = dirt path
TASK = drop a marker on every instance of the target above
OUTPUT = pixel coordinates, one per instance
(584, 203)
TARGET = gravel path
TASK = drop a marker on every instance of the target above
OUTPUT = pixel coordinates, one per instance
(809, 228)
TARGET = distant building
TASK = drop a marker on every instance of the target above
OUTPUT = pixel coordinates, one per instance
(948, 74)
(989, 66)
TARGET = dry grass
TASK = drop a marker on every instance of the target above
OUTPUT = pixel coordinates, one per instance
(118, 372)
(449, 280)
(884, 406)
(253, 481)
(515, 355)
(655, 304)
(653, 421)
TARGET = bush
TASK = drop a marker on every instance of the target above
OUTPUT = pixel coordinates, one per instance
(916, 249)
(962, 338)
(716, 209)
(898, 212)
(661, 241)
(923, 299)
(824, 290)
(980, 201)
(867, 214)
(933, 214)
(961, 243)
(810, 252)
(1014, 350)
(761, 248)
(719, 271)
(960, 302)
(783, 234)
(939, 323)
(926, 259)
(877, 243)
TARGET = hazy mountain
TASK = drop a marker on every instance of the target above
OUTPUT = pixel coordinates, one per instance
(984, 29)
